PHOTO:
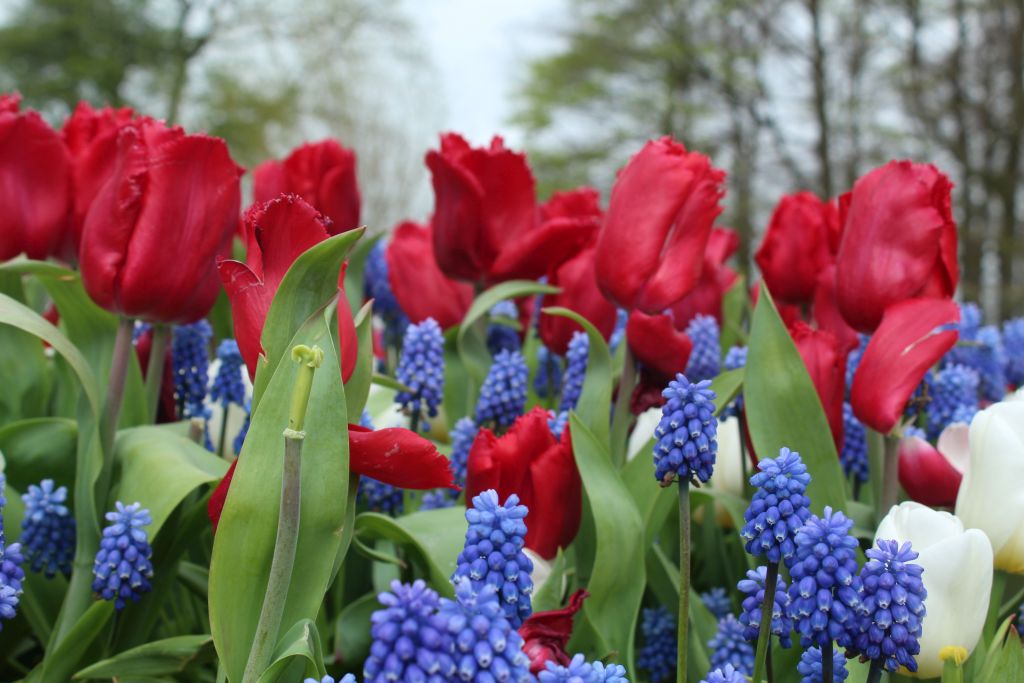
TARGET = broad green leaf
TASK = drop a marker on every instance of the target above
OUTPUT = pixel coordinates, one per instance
(28, 378)
(310, 283)
(389, 383)
(355, 270)
(616, 583)
(245, 538)
(549, 595)
(726, 387)
(39, 448)
(432, 540)
(783, 408)
(159, 469)
(352, 629)
(594, 405)
(470, 341)
(299, 649)
(458, 396)
(652, 501)
(64, 660)
(734, 309)
(358, 388)
(159, 658)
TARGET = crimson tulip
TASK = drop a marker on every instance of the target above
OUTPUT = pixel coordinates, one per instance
(10, 102)
(931, 475)
(664, 202)
(912, 337)
(658, 345)
(826, 310)
(825, 360)
(716, 278)
(898, 241)
(578, 281)
(486, 226)
(546, 634)
(322, 173)
(797, 246)
(530, 462)
(35, 185)
(421, 289)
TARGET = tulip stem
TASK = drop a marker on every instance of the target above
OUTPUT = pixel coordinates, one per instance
(621, 413)
(764, 632)
(155, 368)
(684, 581)
(414, 416)
(827, 665)
(891, 476)
(874, 673)
(115, 395)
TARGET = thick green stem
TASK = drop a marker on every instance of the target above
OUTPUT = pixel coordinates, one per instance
(874, 673)
(621, 414)
(155, 368)
(112, 409)
(684, 581)
(891, 476)
(764, 633)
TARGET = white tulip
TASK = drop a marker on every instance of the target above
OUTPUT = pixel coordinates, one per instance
(991, 495)
(643, 432)
(957, 575)
(729, 461)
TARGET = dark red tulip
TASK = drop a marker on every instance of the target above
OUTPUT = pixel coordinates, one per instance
(662, 207)
(154, 232)
(486, 226)
(10, 102)
(546, 634)
(825, 360)
(931, 475)
(898, 241)
(322, 173)
(716, 279)
(91, 138)
(277, 233)
(826, 313)
(35, 185)
(578, 282)
(658, 345)
(797, 246)
(530, 462)
(421, 289)
(579, 204)
(913, 336)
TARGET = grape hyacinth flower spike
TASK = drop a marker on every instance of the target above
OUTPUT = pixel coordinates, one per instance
(753, 590)
(421, 369)
(228, 386)
(122, 568)
(657, 656)
(48, 529)
(704, 359)
(409, 637)
(501, 336)
(684, 453)
(809, 667)
(347, 678)
(575, 371)
(503, 394)
(717, 601)
(726, 674)
(11, 573)
(190, 360)
(730, 647)
(581, 671)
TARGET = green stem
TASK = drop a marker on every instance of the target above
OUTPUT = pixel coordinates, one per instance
(225, 406)
(891, 476)
(684, 581)
(414, 415)
(827, 665)
(621, 413)
(112, 409)
(874, 673)
(155, 368)
(764, 632)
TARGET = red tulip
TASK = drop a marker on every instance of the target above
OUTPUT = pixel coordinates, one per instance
(789, 313)
(912, 337)
(322, 173)
(581, 203)
(154, 232)
(578, 282)
(658, 345)
(277, 233)
(530, 462)
(546, 634)
(421, 289)
(931, 475)
(899, 241)
(826, 311)
(485, 220)
(35, 185)
(797, 246)
(825, 360)
(716, 278)
(663, 204)
(10, 102)
(91, 137)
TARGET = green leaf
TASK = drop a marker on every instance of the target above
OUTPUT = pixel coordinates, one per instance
(62, 662)
(302, 642)
(358, 388)
(159, 469)
(159, 658)
(652, 501)
(432, 539)
(616, 583)
(594, 404)
(783, 408)
(352, 629)
(663, 576)
(734, 308)
(356, 268)
(389, 383)
(726, 387)
(245, 538)
(39, 448)
(27, 376)
(470, 341)
(549, 595)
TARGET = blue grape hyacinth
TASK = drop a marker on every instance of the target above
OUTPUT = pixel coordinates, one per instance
(1013, 345)
(687, 433)
(658, 654)
(853, 361)
(493, 553)
(619, 333)
(463, 435)
(12, 577)
(779, 507)
(825, 602)
(954, 396)
(377, 284)
(485, 645)
(500, 335)
(575, 371)
(854, 456)
(810, 671)
(707, 350)
(347, 678)
(729, 647)
(244, 430)
(726, 674)
(981, 349)
(557, 423)
(503, 394)
(122, 569)
(410, 640)
(547, 379)
(581, 671)
(421, 368)
(190, 362)
(48, 529)
(752, 588)
(893, 597)
(228, 386)
(717, 601)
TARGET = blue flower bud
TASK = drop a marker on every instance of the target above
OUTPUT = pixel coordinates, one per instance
(704, 359)
(778, 508)
(503, 394)
(48, 529)
(421, 366)
(122, 568)
(575, 371)
(729, 647)
(687, 433)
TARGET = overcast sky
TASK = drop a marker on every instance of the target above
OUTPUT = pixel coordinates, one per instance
(480, 50)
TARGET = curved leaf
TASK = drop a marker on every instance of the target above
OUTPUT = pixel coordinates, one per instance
(594, 404)
(39, 448)
(158, 658)
(352, 629)
(727, 386)
(302, 641)
(62, 662)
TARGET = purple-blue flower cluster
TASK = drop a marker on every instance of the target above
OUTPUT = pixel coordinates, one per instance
(707, 350)
(779, 507)
(421, 368)
(502, 336)
(503, 394)
(228, 386)
(687, 433)
(48, 529)
(752, 588)
(122, 568)
(854, 456)
(657, 655)
(893, 596)
(810, 669)
(581, 671)
(190, 362)
(730, 647)
(575, 371)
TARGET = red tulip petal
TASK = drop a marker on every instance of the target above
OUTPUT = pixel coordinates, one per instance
(577, 203)
(657, 344)
(826, 311)
(421, 289)
(10, 102)
(825, 361)
(577, 279)
(546, 634)
(557, 487)
(220, 494)
(542, 248)
(268, 181)
(347, 338)
(250, 302)
(715, 280)
(398, 457)
(912, 336)
(926, 475)
(796, 246)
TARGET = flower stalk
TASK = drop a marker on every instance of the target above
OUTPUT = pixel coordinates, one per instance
(891, 475)
(684, 580)
(155, 368)
(764, 633)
